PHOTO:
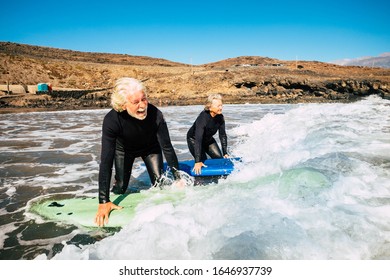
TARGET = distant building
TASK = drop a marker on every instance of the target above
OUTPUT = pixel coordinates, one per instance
(13, 89)
(44, 87)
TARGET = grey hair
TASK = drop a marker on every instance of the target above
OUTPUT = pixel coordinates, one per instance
(210, 98)
(123, 88)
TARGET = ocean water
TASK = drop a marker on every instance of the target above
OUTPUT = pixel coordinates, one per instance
(314, 183)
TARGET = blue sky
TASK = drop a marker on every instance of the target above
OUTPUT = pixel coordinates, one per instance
(200, 31)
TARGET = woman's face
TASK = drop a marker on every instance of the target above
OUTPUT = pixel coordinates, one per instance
(216, 107)
(137, 105)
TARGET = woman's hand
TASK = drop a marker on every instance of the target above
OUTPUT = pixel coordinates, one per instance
(104, 210)
(198, 167)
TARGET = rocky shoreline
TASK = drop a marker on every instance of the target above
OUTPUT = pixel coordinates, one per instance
(84, 80)
(272, 91)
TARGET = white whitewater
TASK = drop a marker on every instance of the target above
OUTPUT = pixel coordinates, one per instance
(314, 184)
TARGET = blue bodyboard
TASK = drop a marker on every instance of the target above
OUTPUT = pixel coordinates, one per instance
(215, 167)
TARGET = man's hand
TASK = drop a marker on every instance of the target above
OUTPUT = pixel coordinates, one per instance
(198, 167)
(103, 212)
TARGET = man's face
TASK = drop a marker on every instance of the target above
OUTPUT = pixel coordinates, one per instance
(137, 105)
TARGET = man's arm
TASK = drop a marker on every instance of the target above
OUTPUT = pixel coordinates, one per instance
(109, 132)
(166, 146)
(106, 159)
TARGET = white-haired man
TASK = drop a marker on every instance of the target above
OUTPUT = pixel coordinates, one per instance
(133, 128)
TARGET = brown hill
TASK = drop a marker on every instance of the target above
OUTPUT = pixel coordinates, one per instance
(70, 55)
(242, 79)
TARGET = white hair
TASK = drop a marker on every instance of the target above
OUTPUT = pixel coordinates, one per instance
(123, 88)
(210, 98)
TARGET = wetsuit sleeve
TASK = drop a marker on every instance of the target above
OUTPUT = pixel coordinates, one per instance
(166, 146)
(223, 136)
(200, 125)
(109, 135)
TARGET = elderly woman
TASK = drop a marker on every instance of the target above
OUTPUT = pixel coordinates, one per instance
(133, 128)
(200, 138)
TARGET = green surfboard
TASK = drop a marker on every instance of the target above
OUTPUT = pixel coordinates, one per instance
(81, 211)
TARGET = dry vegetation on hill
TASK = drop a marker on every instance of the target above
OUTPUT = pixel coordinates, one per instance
(241, 79)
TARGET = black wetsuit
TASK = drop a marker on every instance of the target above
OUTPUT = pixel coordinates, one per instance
(200, 138)
(126, 138)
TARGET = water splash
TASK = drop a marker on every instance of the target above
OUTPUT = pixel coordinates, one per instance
(312, 184)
